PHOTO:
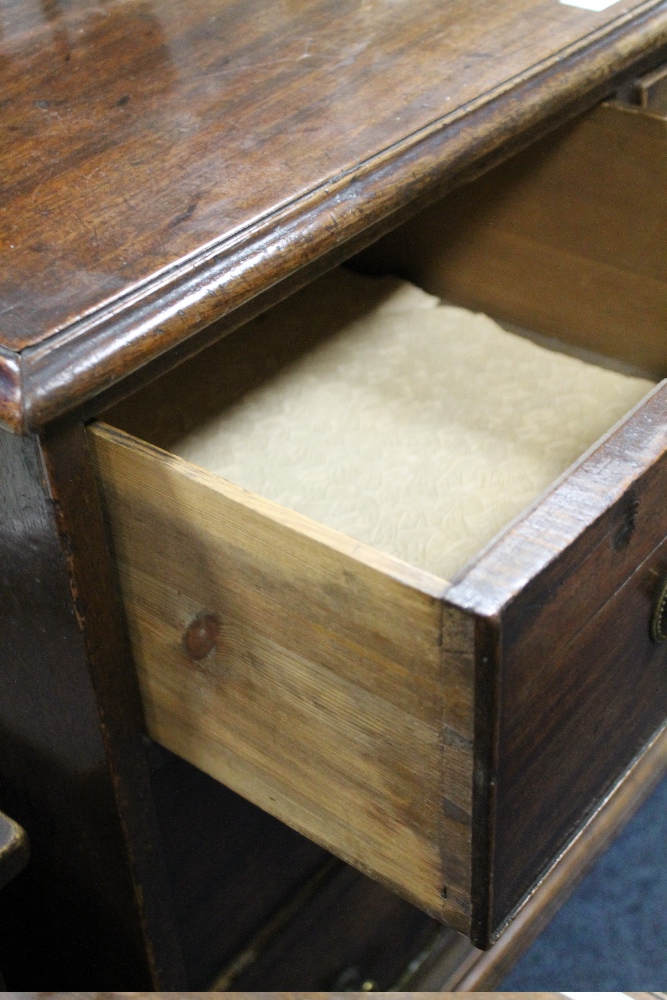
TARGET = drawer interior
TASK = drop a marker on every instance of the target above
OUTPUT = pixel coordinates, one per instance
(287, 598)
(416, 427)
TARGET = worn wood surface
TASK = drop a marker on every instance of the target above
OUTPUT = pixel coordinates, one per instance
(338, 694)
(450, 962)
(146, 192)
(455, 965)
(348, 931)
(579, 684)
(566, 239)
(149, 186)
(91, 903)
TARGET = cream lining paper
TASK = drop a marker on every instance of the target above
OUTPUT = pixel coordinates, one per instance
(417, 427)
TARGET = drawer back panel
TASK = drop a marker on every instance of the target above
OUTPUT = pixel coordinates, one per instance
(566, 239)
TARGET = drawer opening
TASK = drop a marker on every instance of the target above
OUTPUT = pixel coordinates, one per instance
(416, 427)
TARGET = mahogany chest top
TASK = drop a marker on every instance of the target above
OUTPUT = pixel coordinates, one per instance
(162, 164)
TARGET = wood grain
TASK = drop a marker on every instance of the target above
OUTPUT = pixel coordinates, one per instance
(162, 171)
(340, 695)
(579, 686)
(455, 965)
(558, 607)
(149, 189)
(91, 903)
(565, 239)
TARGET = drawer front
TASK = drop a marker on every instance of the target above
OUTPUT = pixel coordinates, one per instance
(328, 683)
(601, 699)
(578, 685)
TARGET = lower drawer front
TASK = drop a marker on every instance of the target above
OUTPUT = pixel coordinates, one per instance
(424, 732)
(578, 682)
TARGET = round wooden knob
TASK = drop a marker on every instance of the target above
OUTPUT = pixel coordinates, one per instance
(201, 636)
(659, 617)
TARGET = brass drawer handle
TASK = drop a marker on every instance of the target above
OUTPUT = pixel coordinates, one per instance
(659, 617)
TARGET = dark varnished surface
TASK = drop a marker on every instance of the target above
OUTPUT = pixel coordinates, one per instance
(352, 932)
(90, 904)
(569, 671)
(230, 866)
(161, 164)
(159, 169)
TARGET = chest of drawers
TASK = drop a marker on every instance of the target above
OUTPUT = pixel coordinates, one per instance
(172, 174)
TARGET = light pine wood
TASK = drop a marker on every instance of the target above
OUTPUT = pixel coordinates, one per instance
(340, 697)
(566, 239)
(340, 694)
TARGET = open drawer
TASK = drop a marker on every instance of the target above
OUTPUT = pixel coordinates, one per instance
(447, 737)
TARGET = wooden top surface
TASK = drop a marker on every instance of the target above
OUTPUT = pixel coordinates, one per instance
(162, 163)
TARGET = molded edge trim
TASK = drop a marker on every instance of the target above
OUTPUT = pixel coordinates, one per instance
(83, 360)
(11, 391)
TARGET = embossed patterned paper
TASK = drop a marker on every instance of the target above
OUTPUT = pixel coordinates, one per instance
(417, 427)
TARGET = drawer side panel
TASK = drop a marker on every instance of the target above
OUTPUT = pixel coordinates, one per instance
(338, 696)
